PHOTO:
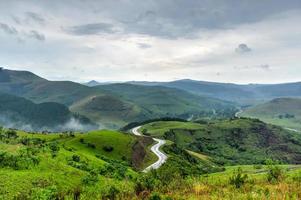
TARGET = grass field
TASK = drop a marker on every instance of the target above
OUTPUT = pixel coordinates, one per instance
(157, 129)
(285, 112)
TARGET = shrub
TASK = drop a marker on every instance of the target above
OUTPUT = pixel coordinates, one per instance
(155, 196)
(91, 145)
(112, 193)
(108, 148)
(275, 172)
(11, 134)
(76, 158)
(81, 140)
(91, 178)
(238, 179)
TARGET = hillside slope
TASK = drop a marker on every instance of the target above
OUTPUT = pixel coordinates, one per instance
(242, 94)
(138, 103)
(18, 112)
(113, 105)
(237, 141)
(285, 112)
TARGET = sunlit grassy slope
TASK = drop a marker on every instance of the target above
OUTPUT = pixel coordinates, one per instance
(285, 112)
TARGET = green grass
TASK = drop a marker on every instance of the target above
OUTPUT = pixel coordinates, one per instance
(122, 143)
(231, 142)
(157, 129)
(274, 112)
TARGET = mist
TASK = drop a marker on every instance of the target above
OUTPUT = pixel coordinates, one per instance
(73, 124)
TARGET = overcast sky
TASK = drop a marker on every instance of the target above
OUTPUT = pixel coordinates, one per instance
(239, 41)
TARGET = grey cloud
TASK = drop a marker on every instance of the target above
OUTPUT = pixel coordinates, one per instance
(144, 46)
(243, 48)
(91, 29)
(35, 17)
(8, 29)
(265, 66)
(247, 67)
(36, 35)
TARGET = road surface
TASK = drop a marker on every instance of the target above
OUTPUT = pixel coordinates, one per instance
(155, 149)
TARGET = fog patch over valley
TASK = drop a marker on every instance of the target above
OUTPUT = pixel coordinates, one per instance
(11, 121)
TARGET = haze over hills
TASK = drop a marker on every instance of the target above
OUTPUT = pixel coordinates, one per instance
(18, 112)
(111, 105)
(285, 112)
(247, 94)
(242, 94)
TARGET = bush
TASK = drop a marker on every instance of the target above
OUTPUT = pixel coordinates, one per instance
(76, 158)
(238, 179)
(91, 145)
(54, 148)
(108, 148)
(275, 172)
(155, 196)
(91, 178)
(112, 193)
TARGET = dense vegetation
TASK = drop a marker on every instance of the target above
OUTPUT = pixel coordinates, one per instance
(98, 165)
(232, 142)
(285, 112)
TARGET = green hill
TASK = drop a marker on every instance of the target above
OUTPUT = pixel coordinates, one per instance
(249, 94)
(113, 105)
(235, 141)
(124, 103)
(63, 164)
(18, 112)
(285, 112)
(94, 165)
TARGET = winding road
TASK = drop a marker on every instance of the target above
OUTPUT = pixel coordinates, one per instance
(155, 149)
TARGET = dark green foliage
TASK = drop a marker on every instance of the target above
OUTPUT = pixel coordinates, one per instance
(180, 162)
(76, 158)
(238, 179)
(20, 112)
(24, 159)
(239, 141)
(112, 193)
(54, 148)
(91, 145)
(155, 196)
(108, 148)
(113, 168)
(91, 178)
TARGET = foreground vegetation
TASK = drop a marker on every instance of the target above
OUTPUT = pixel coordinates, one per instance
(108, 164)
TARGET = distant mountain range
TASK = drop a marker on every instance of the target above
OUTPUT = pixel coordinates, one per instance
(113, 105)
(242, 94)
(249, 94)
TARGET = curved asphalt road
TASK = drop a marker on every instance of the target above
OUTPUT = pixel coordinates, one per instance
(155, 149)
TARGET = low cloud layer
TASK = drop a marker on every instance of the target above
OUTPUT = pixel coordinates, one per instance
(72, 124)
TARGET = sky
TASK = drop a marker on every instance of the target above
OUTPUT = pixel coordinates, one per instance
(239, 41)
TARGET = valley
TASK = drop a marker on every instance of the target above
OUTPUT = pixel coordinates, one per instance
(141, 140)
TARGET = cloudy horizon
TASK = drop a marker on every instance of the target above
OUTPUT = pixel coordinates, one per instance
(224, 40)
